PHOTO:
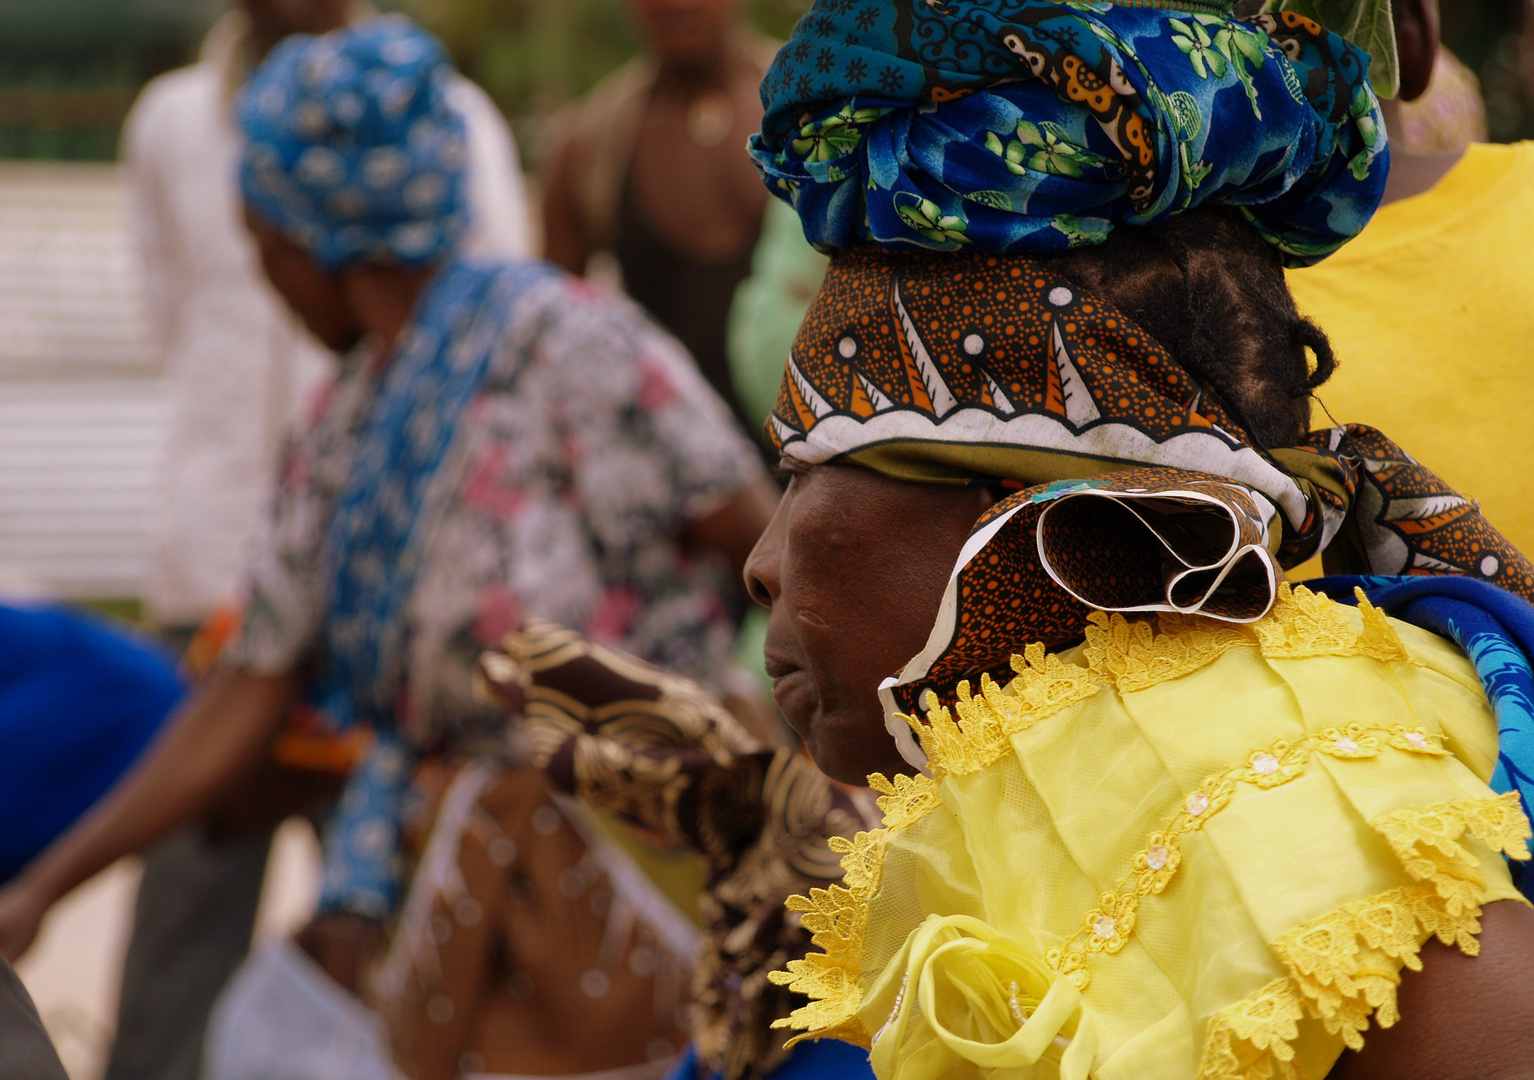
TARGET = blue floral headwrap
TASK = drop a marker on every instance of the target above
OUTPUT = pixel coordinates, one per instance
(1027, 126)
(351, 149)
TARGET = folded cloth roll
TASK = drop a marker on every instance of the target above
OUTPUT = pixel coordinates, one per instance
(993, 369)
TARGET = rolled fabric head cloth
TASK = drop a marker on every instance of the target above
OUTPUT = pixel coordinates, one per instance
(1134, 490)
(351, 149)
(1027, 126)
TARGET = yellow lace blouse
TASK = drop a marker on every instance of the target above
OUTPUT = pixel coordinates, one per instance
(1183, 849)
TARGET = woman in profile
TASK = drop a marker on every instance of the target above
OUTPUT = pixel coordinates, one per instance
(1150, 810)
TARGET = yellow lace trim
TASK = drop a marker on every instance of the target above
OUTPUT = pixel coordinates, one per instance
(1426, 839)
(1344, 967)
(1044, 686)
(1107, 928)
(1303, 623)
(1253, 1039)
(1136, 655)
(837, 918)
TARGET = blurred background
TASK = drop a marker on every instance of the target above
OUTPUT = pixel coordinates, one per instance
(79, 409)
(83, 410)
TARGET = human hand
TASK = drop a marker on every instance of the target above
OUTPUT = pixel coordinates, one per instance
(22, 907)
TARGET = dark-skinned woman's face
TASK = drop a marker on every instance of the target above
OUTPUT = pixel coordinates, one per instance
(314, 295)
(853, 567)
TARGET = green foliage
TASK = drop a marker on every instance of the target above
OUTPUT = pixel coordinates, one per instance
(1367, 24)
(69, 69)
(532, 56)
(126, 610)
(776, 18)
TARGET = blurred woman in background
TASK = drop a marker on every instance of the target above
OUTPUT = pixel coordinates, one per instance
(501, 441)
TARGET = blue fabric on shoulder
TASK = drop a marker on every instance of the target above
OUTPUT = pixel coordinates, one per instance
(383, 517)
(360, 840)
(1496, 631)
(396, 490)
(824, 1059)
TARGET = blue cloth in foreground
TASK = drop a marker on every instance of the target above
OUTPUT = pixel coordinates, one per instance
(79, 702)
(1029, 126)
(1496, 631)
(373, 552)
(824, 1059)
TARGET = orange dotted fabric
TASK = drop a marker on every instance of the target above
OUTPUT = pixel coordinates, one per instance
(972, 367)
(1009, 595)
(931, 333)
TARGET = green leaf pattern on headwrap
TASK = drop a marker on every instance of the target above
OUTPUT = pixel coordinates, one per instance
(834, 136)
(986, 124)
(928, 219)
(1044, 147)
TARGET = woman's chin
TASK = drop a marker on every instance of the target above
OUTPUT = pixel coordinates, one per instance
(797, 701)
(849, 749)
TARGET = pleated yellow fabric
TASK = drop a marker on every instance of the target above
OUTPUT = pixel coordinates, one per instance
(1182, 849)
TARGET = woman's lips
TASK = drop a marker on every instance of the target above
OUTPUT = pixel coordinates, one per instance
(778, 669)
(793, 691)
(786, 681)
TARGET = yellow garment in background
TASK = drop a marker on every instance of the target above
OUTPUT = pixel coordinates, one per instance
(1185, 849)
(1431, 313)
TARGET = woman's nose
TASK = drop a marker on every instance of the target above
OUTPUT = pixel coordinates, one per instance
(762, 566)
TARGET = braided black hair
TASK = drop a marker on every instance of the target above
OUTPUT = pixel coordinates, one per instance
(1212, 292)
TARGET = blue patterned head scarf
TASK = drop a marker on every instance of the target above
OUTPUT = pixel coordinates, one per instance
(1027, 126)
(351, 149)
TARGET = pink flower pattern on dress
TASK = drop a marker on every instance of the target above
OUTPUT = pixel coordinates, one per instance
(575, 471)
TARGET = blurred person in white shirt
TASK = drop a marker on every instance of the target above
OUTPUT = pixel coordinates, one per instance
(239, 368)
(238, 363)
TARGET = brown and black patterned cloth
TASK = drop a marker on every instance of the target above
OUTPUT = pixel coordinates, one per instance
(1140, 493)
(656, 751)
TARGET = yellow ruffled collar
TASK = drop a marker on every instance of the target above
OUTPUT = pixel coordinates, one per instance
(1006, 978)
